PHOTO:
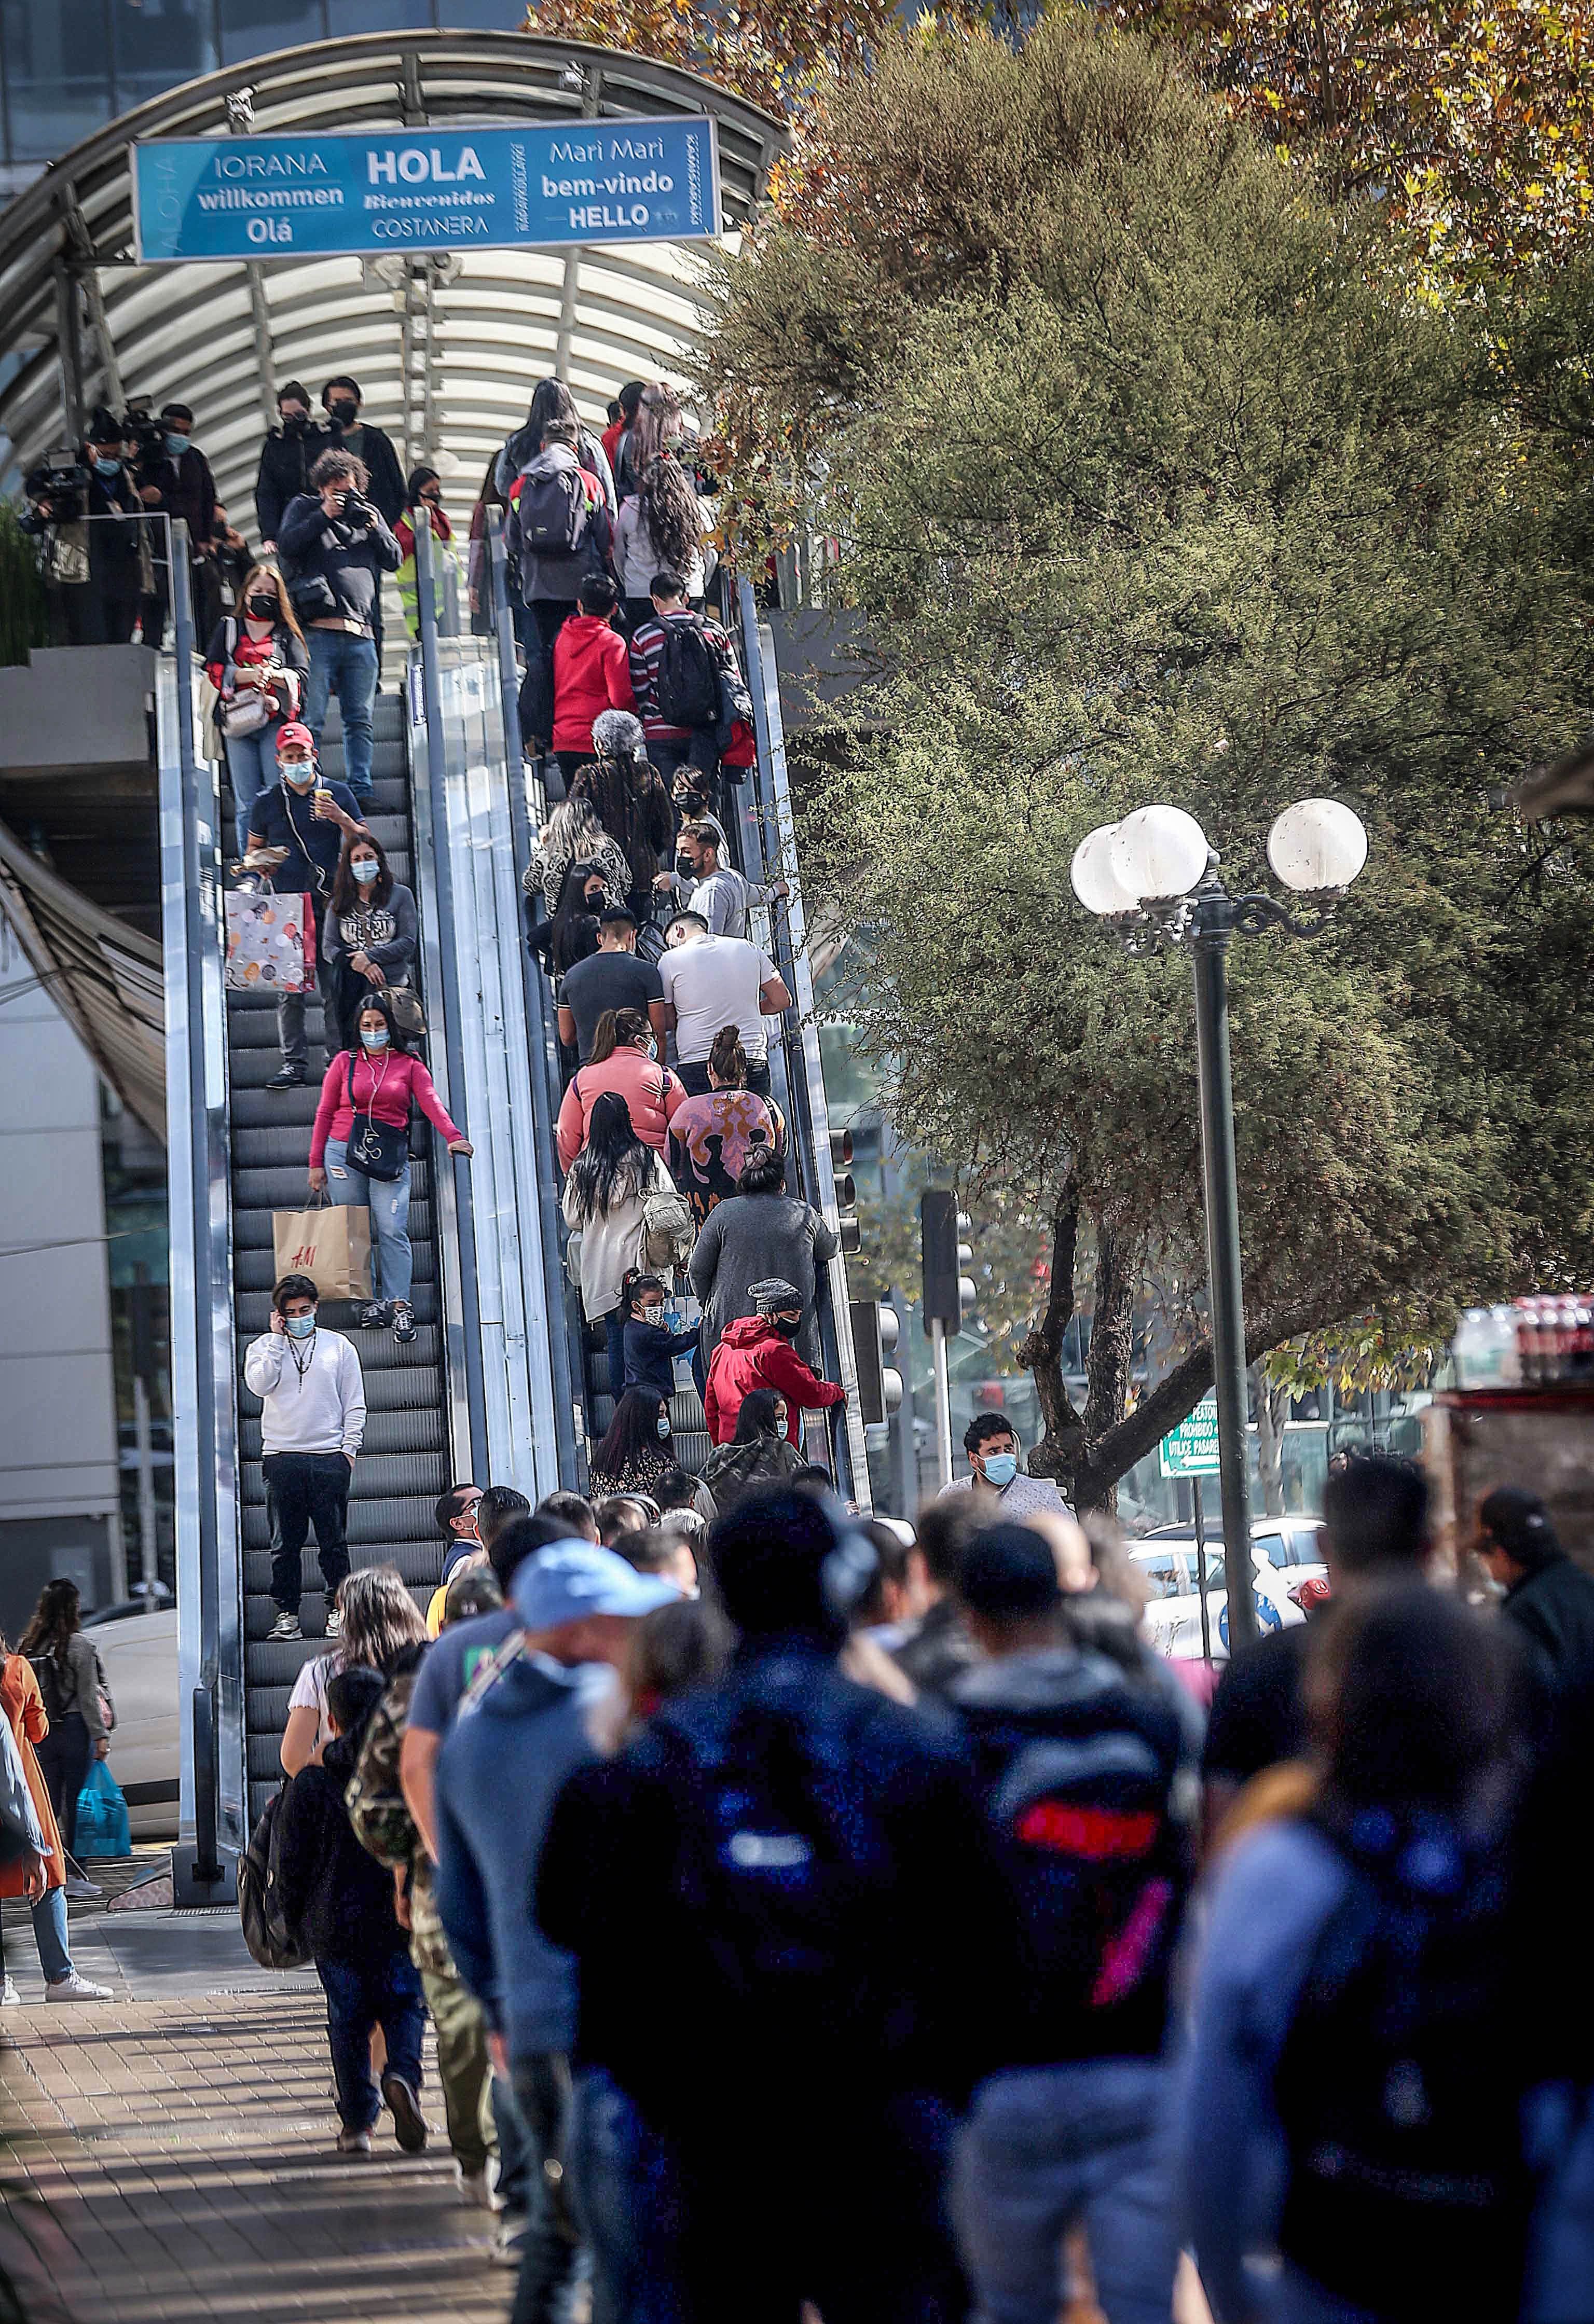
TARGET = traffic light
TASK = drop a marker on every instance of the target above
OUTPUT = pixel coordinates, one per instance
(874, 1331)
(948, 1292)
(847, 1225)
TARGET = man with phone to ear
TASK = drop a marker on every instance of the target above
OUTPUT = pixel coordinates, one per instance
(335, 545)
(314, 1416)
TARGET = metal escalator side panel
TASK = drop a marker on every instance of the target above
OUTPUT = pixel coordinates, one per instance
(466, 1404)
(768, 835)
(566, 1340)
(209, 1579)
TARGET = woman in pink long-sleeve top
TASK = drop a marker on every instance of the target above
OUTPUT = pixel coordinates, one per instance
(365, 1104)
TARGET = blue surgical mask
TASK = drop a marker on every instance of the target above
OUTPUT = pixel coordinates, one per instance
(663, 1424)
(106, 467)
(300, 1327)
(176, 446)
(1000, 1469)
(375, 1040)
(365, 868)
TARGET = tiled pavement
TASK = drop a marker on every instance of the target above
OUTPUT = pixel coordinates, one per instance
(183, 2146)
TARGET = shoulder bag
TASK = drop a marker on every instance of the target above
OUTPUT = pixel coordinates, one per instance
(377, 1148)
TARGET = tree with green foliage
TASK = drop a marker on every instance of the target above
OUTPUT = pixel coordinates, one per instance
(1152, 482)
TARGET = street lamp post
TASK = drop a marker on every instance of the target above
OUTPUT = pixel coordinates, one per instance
(1155, 880)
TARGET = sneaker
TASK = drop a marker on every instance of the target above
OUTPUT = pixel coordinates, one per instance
(10, 1998)
(334, 1628)
(79, 1886)
(287, 1077)
(73, 1988)
(377, 1316)
(409, 2123)
(474, 2187)
(286, 1626)
(354, 2142)
(509, 2245)
(403, 1321)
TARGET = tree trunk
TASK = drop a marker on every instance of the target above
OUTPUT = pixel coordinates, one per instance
(1108, 1364)
(1041, 1353)
(1273, 1409)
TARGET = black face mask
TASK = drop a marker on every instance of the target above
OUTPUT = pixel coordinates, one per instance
(294, 423)
(788, 1327)
(595, 903)
(263, 608)
(686, 867)
(345, 413)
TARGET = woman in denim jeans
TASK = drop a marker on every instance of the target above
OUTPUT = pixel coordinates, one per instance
(375, 1089)
(262, 650)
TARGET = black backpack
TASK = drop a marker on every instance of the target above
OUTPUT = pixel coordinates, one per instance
(687, 688)
(552, 514)
(1097, 1866)
(55, 1679)
(1399, 2090)
(271, 1941)
(781, 1867)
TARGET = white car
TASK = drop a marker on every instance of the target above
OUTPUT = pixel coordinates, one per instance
(139, 1652)
(1173, 1617)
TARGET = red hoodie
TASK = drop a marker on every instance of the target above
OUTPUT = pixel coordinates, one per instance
(752, 1354)
(591, 674)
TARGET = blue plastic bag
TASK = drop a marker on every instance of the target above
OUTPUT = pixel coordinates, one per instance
(103, 1825)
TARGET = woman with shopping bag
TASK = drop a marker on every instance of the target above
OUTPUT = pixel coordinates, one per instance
(359, 1149)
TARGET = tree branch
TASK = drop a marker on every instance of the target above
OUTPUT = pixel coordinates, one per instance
(1041, 1352)
(1173, 1400)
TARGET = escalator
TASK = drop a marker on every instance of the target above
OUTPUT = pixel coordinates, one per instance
(403, 1463)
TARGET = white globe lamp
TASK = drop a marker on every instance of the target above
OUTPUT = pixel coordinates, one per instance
(1158, 853)
(1095, 883)
(1316, 846)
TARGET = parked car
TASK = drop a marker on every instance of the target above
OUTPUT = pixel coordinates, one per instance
(139, 1652)
(1167, 1559)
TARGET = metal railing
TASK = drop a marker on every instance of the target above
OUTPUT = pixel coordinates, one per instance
(214, 1802)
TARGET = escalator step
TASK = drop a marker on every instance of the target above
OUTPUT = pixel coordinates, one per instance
(263, 1109)
(415, 1428)
(252, 1315)
(251, 1229)
(256, 1193)
(255, 1270)
(378, 1478)
(396, 1389)
(375, 1526)
(420, 1561)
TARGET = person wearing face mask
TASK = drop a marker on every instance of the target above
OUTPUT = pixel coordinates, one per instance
(613, 977)
(757, 1351)
(706, 883)
(423, 505)
(335, 547)
(286, 458)
(761, 1234)
(571, 935)
(178, 482)
(650, 1350)
(341, 400)
(360, 1147)
(221, 575)
(117, 564)
(310, 820)
(313, 1419)
(624, 1060)
(636, 1449)
(993, 1478)
(258, 665)
(370, 934)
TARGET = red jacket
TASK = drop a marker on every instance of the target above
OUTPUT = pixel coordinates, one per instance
(591, 674)
(752, 1354)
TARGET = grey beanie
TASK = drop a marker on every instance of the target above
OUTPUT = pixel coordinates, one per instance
(774, 1296)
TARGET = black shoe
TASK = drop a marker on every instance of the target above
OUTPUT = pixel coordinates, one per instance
(403, 1321)
(409, 2123)
(378, 1316)
(287, 1077)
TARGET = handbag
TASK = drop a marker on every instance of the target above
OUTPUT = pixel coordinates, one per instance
(667, 1235)
(377, 1148)
(104, 1826)
(329, 1242)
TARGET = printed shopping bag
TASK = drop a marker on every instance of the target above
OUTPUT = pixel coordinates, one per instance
(103, 1825)
(682, 1313)
(271, 942)
(330, 1244)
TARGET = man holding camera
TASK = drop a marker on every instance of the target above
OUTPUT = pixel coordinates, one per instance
(85, 514)
(335, 547)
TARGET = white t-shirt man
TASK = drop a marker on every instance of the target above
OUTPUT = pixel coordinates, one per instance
(715, 981)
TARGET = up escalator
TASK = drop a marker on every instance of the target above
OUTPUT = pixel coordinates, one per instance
(404, 1462)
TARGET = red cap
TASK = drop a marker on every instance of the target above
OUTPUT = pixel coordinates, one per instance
(294, 732)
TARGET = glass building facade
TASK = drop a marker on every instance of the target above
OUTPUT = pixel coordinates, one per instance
(67, 67)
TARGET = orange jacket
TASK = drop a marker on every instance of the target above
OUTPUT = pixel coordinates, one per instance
(23, 1706)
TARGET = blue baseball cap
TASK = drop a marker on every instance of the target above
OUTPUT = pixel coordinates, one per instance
(570, 1580)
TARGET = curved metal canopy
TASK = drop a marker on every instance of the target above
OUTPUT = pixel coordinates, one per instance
(447, 348)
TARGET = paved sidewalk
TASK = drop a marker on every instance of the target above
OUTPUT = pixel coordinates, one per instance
(183, 2146)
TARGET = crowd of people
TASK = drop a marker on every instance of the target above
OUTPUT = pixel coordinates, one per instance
(815, 1909)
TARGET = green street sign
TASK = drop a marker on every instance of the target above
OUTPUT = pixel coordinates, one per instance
(1191, 1450)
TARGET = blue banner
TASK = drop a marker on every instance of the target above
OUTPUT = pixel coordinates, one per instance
(536, 187)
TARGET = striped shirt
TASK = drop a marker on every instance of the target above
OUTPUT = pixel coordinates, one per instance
(647, 653)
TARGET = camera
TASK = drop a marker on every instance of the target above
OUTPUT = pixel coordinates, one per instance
(144, 431)
(57, 487)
